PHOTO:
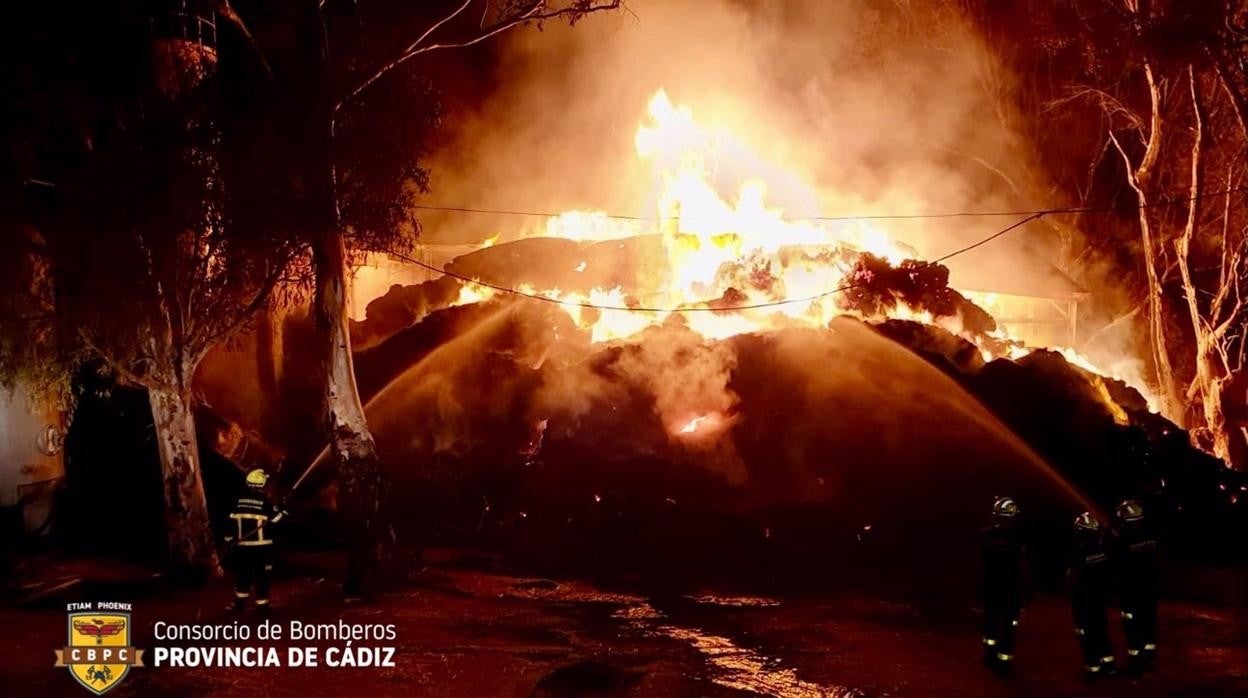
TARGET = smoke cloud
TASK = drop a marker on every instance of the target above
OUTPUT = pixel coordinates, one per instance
(848, 107)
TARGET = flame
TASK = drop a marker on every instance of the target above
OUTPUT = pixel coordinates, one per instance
(700, 426)
(693, 424)
(712, 244)
(723, 253)
(590, 226)
(473, 293)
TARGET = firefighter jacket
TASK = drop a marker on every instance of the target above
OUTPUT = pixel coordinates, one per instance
(252, 521)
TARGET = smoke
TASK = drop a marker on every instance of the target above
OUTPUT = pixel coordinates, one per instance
(796, 415)
(542, 370)
(681, 376)
(852, 107)
(847, 107)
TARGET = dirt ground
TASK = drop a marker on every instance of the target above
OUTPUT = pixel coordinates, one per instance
(467, 628)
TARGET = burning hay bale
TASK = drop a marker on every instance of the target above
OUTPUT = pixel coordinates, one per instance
(940, 347)
(402, 307)
(877, 288)
(828, 430)
(794, 440)
(569, 265)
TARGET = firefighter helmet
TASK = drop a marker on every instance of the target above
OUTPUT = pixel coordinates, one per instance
(1005, 507)
(257, 478)
(1130, 510)
(1087, 522)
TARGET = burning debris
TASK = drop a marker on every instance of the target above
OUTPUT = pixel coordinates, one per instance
(877, 289)
(724, 263)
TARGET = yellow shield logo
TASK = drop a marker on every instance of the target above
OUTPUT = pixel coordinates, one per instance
(99, 654)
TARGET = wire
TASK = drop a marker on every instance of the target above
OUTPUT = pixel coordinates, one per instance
(1159, 203)
(990, 238)
(703, 306)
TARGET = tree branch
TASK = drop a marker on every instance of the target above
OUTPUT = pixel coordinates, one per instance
(1153, 149)
(1225, 272)
(199, 346)
(537, 13)
(118, 366)
(224, 9)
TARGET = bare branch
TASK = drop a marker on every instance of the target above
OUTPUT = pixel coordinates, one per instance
(224, 9)
(1183, 245)
(201, 345)
(1233, 93)
(1225, 273)
(1153, 148)
(1109, 104)
(1163, 369)
(537, 13)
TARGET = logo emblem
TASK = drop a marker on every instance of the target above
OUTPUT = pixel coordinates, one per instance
(99, 654)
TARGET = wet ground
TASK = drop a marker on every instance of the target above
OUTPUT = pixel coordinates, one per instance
(467, 628)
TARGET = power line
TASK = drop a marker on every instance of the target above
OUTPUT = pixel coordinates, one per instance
(1159, 203)
(990, 238)
(704, 307)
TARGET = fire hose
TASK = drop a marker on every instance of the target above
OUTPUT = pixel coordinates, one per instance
(320, 457)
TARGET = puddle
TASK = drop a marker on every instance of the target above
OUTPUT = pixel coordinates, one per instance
(733, 601)
(732, 666)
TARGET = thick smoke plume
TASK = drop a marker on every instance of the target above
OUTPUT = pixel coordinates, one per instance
(846, 107)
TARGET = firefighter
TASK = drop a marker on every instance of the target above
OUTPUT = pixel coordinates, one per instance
(1139, 572)
(1090, 579)
(1001, 548)
(251, 538)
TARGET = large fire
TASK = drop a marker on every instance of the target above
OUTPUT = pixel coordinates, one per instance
(735, 264)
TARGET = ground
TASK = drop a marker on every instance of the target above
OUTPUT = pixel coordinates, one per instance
(468, 627)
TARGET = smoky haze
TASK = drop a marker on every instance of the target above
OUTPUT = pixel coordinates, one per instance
(842, 108)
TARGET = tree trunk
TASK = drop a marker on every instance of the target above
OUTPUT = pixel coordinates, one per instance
(362, 505)
(1208, 382)
(1139, 176)
(369, 533)
(1211, 388)
(191, 544)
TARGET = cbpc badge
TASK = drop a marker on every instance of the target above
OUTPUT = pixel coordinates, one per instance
(99, 654)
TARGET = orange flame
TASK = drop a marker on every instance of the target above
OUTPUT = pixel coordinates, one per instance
(708, 240)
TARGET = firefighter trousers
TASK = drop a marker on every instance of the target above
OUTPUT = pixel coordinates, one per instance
(1000, 621)
(1092, 629)
(253, 565)
(1139, 624)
